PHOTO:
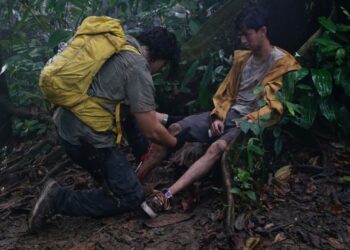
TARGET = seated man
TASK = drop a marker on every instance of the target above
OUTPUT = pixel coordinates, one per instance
(261, 65)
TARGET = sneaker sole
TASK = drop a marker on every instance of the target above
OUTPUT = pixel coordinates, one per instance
(47, 188)
(148, 210)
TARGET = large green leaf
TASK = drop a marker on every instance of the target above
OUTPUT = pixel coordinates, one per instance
(290, 80)
(288, 86)
(327, 45)
(235, 190)
(293, 108)
(341, 77)
(328, 24)
(328, 42)
(322, 79)
(346, 13)
(244, 126)
(301, 73)
(309, 111)
(328, 109)
(343, 28)
(340, 56)
(250, 194)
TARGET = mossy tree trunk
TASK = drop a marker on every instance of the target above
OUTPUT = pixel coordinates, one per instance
(292, 22)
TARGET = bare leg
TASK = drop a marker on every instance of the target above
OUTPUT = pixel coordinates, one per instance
(156, 155)
(200, 167)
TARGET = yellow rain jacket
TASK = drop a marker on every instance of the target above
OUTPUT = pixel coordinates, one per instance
(226, 94)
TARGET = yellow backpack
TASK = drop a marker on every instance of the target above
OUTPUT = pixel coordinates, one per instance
(66, 80)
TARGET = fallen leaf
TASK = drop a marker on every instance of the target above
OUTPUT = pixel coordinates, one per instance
(251, 243)
(313, 161)
(268, 226)
(338, 209)
(280, 188)
(279, 237)
(283, 173)
(335, 243)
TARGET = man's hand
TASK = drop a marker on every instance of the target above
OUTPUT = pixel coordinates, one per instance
(153, 130)
(217, 128)
(173, 119)
(167, 120)
(181, 138)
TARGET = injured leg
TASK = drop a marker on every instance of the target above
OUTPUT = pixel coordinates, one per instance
(155, 155)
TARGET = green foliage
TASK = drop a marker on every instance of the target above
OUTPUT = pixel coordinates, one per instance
(346, 179)
(26, 127)
(247, 162)
(319, 93)
(322, 91)
(31, 30)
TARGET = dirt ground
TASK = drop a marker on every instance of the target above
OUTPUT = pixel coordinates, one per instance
(309, 209)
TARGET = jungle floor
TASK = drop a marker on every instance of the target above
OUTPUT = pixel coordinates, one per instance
(307, 209)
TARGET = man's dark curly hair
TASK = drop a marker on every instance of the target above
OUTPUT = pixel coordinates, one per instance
(162, 44)
(252, 17)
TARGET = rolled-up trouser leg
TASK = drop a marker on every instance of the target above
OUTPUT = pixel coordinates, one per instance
(123, 190)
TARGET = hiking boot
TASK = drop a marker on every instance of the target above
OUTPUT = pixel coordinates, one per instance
(44, 207)
(155, 203)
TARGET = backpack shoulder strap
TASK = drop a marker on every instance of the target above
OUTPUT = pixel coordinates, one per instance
(127, 47)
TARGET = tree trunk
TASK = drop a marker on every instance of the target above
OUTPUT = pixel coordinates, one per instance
(292, 22)
(217, 32)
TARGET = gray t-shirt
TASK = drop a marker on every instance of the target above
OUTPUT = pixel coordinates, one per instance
(124, 77)
(252, 75)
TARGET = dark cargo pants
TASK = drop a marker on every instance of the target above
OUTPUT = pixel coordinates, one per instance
(121, 190)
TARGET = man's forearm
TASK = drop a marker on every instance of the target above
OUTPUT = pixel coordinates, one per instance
(161, 136)
(153, 129)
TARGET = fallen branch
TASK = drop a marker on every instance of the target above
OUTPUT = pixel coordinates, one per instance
(227, 179)
(18, 163)
(22, 113)
(55, 153)
(54, 171)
